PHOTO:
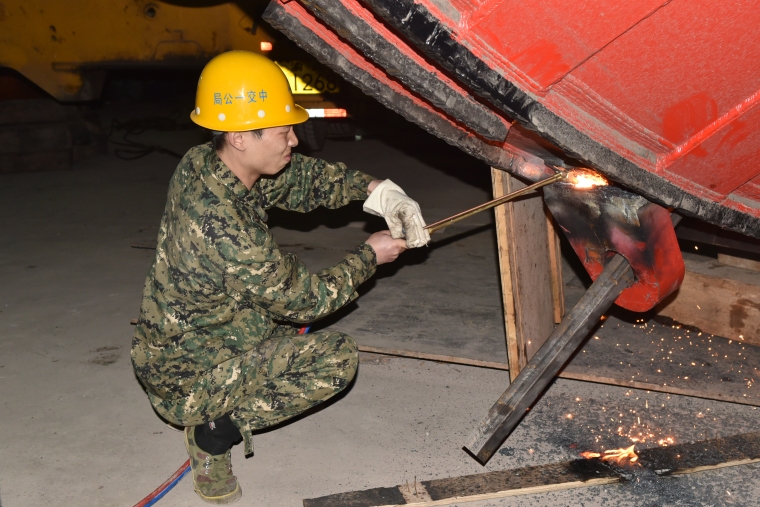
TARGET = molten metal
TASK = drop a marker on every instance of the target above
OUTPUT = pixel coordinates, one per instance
(584, 179)
(614, 454)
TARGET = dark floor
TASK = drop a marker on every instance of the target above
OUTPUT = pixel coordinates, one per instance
(78, 430)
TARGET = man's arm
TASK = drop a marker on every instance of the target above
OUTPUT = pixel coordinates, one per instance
(308, 183)
(256, 270)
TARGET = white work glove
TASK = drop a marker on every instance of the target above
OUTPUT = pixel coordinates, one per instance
(401, 212)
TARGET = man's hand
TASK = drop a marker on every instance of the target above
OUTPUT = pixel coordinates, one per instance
(401, 213)
(386, 248)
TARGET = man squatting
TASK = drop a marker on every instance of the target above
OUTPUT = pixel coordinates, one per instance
(217, 347)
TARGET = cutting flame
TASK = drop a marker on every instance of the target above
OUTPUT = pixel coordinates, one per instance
(618, 455)
(586, 178)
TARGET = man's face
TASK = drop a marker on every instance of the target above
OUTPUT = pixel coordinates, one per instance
(271, 152)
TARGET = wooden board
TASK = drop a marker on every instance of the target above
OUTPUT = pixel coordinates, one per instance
(527, 262)
(739, 262)
(663, 461)
(719, 305)
(470, 488)
(555, 264)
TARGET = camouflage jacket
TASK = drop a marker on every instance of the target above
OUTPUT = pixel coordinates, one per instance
(219, 282)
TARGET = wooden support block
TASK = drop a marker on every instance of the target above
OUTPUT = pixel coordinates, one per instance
(738, 262)
(720, 300)
(530, 271)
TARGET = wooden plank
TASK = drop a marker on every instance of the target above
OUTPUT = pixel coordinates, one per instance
(526, 271)
(703, 455)
(513, 404)
(375, 496)
(433, 357)
(739, 262)
(573, 373)
(678, 459)
(555, 263)
(470, 488)
(498, 178)
(719, 306)
(715, 394)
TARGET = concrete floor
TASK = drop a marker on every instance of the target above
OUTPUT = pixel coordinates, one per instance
(78, 430)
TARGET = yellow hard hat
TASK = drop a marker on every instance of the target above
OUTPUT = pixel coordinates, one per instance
(240, 90)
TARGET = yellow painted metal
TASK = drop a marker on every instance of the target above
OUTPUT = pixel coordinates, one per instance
(64, 47)
(307, 80)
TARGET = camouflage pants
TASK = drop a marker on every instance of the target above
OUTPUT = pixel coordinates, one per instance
(281, 378)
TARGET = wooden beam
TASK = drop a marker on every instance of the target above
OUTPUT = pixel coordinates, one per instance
(433, 357)
(678, 459)
(722, 306)
(470, 488)
(555, 264)
(659, 388)
(511, 407)
(529, 270)
(739, 262)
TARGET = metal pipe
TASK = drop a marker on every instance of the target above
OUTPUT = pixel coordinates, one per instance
(544, 366)
(441, 224)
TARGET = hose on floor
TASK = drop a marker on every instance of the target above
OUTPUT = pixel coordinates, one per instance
(182, 471)
(165, 487)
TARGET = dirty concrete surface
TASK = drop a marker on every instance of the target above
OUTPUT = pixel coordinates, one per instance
(78, 430)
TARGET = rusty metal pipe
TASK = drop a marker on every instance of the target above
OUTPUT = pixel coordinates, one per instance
(544, 366)
(441, 224)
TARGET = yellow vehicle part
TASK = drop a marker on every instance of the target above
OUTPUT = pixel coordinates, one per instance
(307, 80)
(65, 47)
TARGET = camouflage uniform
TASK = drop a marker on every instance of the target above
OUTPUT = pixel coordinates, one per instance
(217, 330)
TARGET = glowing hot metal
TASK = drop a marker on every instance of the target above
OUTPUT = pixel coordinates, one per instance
(584, 179)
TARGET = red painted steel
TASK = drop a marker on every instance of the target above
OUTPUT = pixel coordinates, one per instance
(523, 163)
(672, 86)
(653, 253)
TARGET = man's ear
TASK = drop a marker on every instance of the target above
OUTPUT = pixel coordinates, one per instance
(236, 140)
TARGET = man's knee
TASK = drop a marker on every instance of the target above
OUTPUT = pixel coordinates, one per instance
(350, 351)
(339, 352)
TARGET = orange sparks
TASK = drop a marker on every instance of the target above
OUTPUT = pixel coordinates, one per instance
(617, 455)
(585, 179)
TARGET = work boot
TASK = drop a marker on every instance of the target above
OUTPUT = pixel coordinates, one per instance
(212, 475)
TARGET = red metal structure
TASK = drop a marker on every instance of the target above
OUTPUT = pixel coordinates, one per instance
(658, 95)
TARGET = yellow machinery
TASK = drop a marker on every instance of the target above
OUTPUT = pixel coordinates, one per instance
(66, 48)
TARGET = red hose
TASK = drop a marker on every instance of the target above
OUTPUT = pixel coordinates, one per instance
(163, 488)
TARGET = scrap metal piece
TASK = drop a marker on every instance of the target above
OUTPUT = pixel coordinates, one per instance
(605, 220)
(351, 21)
